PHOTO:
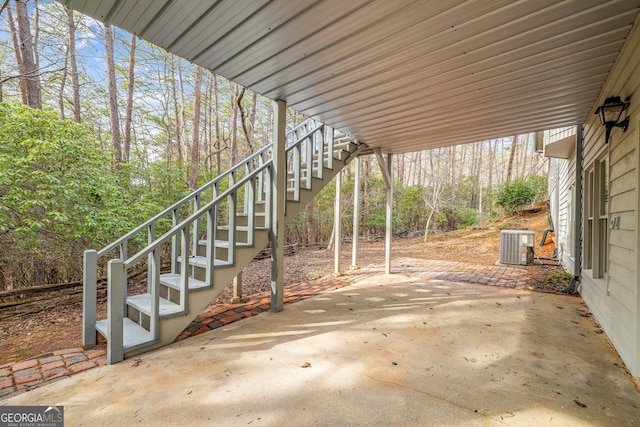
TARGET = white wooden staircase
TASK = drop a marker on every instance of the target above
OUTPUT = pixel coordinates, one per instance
(209, 236)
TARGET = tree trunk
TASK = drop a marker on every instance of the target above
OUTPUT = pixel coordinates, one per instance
(195, 140)
(514, 146)
(216, 102)
(63, 83)
(113, 95)
(75, 83)
(28, 56)
(233, 138)
(311, 223)
(183, 114)
(128, 118)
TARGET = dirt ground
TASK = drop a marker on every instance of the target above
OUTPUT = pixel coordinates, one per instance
(58, 328)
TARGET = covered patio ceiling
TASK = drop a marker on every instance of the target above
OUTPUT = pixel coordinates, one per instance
(402, 75)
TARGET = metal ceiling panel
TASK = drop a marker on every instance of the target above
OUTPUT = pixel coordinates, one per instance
(402, 75)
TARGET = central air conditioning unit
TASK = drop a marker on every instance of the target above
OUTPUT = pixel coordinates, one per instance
(516, 246)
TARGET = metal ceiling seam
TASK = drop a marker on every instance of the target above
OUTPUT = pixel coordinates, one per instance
(405, 119)
(548, 101)
(358, 33)
(349, 58)
(273, 29)
(525, 49)
(227, 35)
(214, 27)
(195, 23)
(312, 34)
(526, 106)
(443, 46)
(134, 15)
(446, 92)
(434, 75)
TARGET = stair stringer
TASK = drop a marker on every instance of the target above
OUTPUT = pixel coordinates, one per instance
(198, 300)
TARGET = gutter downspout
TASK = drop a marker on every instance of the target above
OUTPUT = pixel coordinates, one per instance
(577, 265)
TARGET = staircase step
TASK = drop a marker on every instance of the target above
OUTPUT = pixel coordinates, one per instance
(201, 261)
(172, 280)
(142, 303)
(134, 335)
(225, 244)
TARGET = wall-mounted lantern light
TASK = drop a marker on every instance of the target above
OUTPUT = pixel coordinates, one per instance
(610, 113)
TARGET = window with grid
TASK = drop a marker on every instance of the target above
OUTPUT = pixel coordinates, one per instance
(596, 233)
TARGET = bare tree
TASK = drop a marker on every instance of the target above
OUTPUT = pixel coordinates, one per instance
(128, 118)
(113, 95)
(28, 56)
(514, 146)
(75, 83)
(195, 139)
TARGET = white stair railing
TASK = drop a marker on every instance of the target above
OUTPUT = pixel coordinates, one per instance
(217, 204)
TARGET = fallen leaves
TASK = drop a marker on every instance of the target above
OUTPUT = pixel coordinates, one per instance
(580, 404)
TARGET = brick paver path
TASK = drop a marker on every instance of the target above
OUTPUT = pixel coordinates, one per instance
(23, 376)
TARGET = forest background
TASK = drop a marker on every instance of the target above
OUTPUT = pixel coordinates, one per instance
(100, 131)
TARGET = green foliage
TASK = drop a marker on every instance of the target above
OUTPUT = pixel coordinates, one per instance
(556, 277)
(518, 193)
(57, 190)
(465, 217)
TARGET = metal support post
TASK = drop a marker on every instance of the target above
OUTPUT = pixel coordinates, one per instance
(279, 199)
(389, 228)
(337, 225)
(356, 216)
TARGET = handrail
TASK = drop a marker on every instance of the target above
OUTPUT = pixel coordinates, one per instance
(307, 144)
(181, 202)
(194, 216)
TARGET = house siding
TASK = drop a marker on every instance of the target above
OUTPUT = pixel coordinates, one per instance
(561, 179)
(615, 300)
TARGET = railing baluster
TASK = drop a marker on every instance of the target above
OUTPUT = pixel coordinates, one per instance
(184, 271)
(249, 180)
(232, 221)
(211, 224)
(296, 172)
(174, 242)
(89, 298)
(151, 236)
(249, 198)
(320, 153)
(329, 131)
(154, 285)
(309, 161)
(116, 285)
(196, 225)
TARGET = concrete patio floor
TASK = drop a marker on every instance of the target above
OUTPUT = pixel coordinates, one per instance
(397, 350)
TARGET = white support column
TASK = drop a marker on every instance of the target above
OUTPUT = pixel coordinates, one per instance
(116, 284)
(337, 225)
(356, 216)
(279, 199)
(89, 298)
(389, 228)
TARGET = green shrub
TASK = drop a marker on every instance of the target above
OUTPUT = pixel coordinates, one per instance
(516, 194)
(557, 277)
